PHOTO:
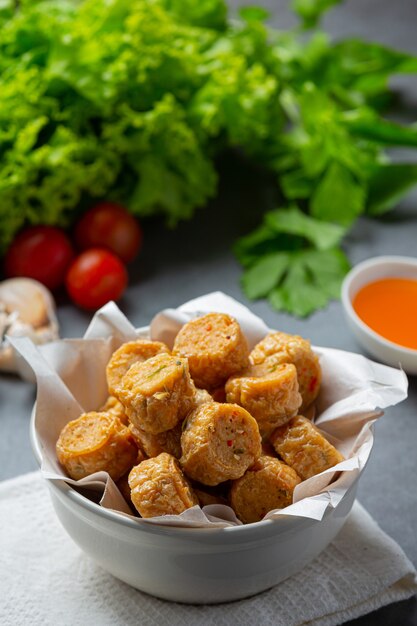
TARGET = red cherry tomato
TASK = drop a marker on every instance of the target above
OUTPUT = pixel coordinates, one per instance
(40, 252)
(109, 225)
(95, 277)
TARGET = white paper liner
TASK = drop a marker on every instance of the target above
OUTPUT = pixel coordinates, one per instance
(71, 379)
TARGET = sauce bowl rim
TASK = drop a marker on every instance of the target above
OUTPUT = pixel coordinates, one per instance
(356, 271)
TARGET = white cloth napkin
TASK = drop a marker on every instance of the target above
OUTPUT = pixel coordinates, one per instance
(46, 580)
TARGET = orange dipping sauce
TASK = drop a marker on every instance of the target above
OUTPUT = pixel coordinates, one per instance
(389, 307)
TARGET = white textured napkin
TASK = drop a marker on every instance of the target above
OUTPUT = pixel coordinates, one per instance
(46, 580)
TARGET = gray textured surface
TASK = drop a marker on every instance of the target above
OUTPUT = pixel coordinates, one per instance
(194, 259)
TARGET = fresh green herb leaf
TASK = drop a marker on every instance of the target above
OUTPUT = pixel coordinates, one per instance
(366, 124)
(253, 14)
(311, 11)
(298, 280)
(387, 185)
(314, 277)
(366, 67)
(205, 13)
(328, 268)
(338, 197)
(258, 280)
(294, 222)
(296, 184)
(261, 242)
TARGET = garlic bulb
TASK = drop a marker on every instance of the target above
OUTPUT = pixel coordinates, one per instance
(27, 309)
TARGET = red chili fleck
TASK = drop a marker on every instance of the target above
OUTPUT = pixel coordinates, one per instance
(209, 327)
(313, 383)
(230, 442)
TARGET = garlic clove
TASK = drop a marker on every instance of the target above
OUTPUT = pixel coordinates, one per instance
(27, 309)
(30, 299)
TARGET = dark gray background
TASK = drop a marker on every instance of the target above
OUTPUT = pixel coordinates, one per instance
(196, 258)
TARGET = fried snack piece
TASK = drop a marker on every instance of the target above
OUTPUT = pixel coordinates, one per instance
(158, 487)
(301, 445)
(128, 353)
(267, 485)
(268, 391)
(168, 441)
(95, 442)
(219, 442)
(158, 393)
(283, 348)
(114, 407)
(201, 397)
(215, 347)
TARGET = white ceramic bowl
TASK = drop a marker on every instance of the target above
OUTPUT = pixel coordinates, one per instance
(362, 274)
(190, 564)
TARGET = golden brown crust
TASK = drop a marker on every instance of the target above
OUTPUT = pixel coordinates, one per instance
(116, 408)
(158, 393)
(219, 442)
(201, 397)
(169, 441)
(268, 391)
(158, 487)
(129, 353)
(96, 442)
(301, 445)
(283, 348)
(267, 485)
(215, 347)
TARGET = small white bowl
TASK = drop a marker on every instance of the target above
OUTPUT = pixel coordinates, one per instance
(194, 565)
(375, 344)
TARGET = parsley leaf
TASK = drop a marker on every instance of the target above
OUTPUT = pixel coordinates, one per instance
(294, 222)
(368, 125)
(262, 277)
(313, 278)
(338, 196)
(300, 279)
(387, 184)
(311, 11)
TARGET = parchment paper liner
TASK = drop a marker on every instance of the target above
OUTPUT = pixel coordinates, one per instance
(71, 379)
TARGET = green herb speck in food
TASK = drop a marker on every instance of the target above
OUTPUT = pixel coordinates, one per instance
(154, 373)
